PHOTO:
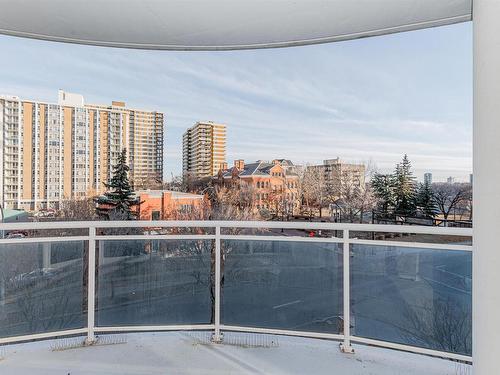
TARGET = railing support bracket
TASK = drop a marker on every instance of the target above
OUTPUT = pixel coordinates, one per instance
(218, 339)
(346, 349)
(89, 342)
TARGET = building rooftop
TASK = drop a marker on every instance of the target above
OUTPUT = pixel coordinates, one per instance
(11, 214)
(192, 353)
(259, 168)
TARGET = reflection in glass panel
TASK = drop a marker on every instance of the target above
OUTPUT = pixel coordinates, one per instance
(147, 282)
(41, 287)
(418, 297)
(282, 285)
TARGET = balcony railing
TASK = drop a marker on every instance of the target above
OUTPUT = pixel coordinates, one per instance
(401, 287)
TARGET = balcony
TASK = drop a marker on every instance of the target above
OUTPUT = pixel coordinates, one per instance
(248, 297)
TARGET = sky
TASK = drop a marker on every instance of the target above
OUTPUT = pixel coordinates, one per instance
(368, 100)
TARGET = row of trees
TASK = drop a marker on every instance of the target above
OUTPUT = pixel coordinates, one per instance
(398, 194)
(346, 194)
(390, 195)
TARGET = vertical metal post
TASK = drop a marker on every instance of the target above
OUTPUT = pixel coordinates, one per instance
(217, 337)
(346, 347)
(91, 288)
(46, 252)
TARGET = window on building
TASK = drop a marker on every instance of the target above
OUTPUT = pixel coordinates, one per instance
(155, 215)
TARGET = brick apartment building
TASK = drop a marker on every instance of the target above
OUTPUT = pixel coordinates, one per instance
(166, 204)
(274, 184)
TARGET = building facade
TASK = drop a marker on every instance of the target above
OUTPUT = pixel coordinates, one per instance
(204, 149)
(53, 152)
(340, 175)
(167, 204)
(428, 178)
(274, 185)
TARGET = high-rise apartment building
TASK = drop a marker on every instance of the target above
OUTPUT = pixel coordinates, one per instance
(204, 149)
(52, 152)
(428, 178)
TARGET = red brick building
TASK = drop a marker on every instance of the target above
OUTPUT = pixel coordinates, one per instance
(274, 184)
(162, 204)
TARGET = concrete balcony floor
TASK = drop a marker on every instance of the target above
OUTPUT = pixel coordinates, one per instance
(191, 353)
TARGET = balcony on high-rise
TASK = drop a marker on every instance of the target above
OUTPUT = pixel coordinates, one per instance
(236, 297)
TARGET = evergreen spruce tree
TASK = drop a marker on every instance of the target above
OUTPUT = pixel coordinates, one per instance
(404, 189)
(425, 200)
(383, 188)
(118, 200)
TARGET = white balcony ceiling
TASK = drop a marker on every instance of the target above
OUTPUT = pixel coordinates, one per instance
(221, 24)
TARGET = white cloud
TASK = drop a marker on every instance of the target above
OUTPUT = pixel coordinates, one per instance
(374, 98)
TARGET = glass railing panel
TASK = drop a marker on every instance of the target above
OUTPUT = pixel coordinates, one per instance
(154, 282)
(282, 285)
(412, 296)
(41, 287)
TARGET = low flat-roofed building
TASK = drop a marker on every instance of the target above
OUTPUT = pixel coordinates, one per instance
(11, 216)
(163, 204)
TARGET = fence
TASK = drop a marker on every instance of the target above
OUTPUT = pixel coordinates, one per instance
(315, 280)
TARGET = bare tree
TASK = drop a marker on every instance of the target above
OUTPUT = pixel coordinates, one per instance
(348, 193)
(175, 184)
(147, 181)
(194, 184)
(224, 204)
(444, 325)
(40, 297)
(467, 204)
(312, 190)
(448, 197)
(78, 209)
(350, 197)
(281, 200)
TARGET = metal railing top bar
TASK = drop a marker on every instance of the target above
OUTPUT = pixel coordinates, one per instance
(155, 237)
(415, 245)
(349, 226)
(44, 335)
(271, 331)
(411, 349)
(184, 327)
(24, 240)
(238, 237)
(240, 224)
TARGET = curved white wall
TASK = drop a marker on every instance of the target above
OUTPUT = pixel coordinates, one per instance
(221, 24)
